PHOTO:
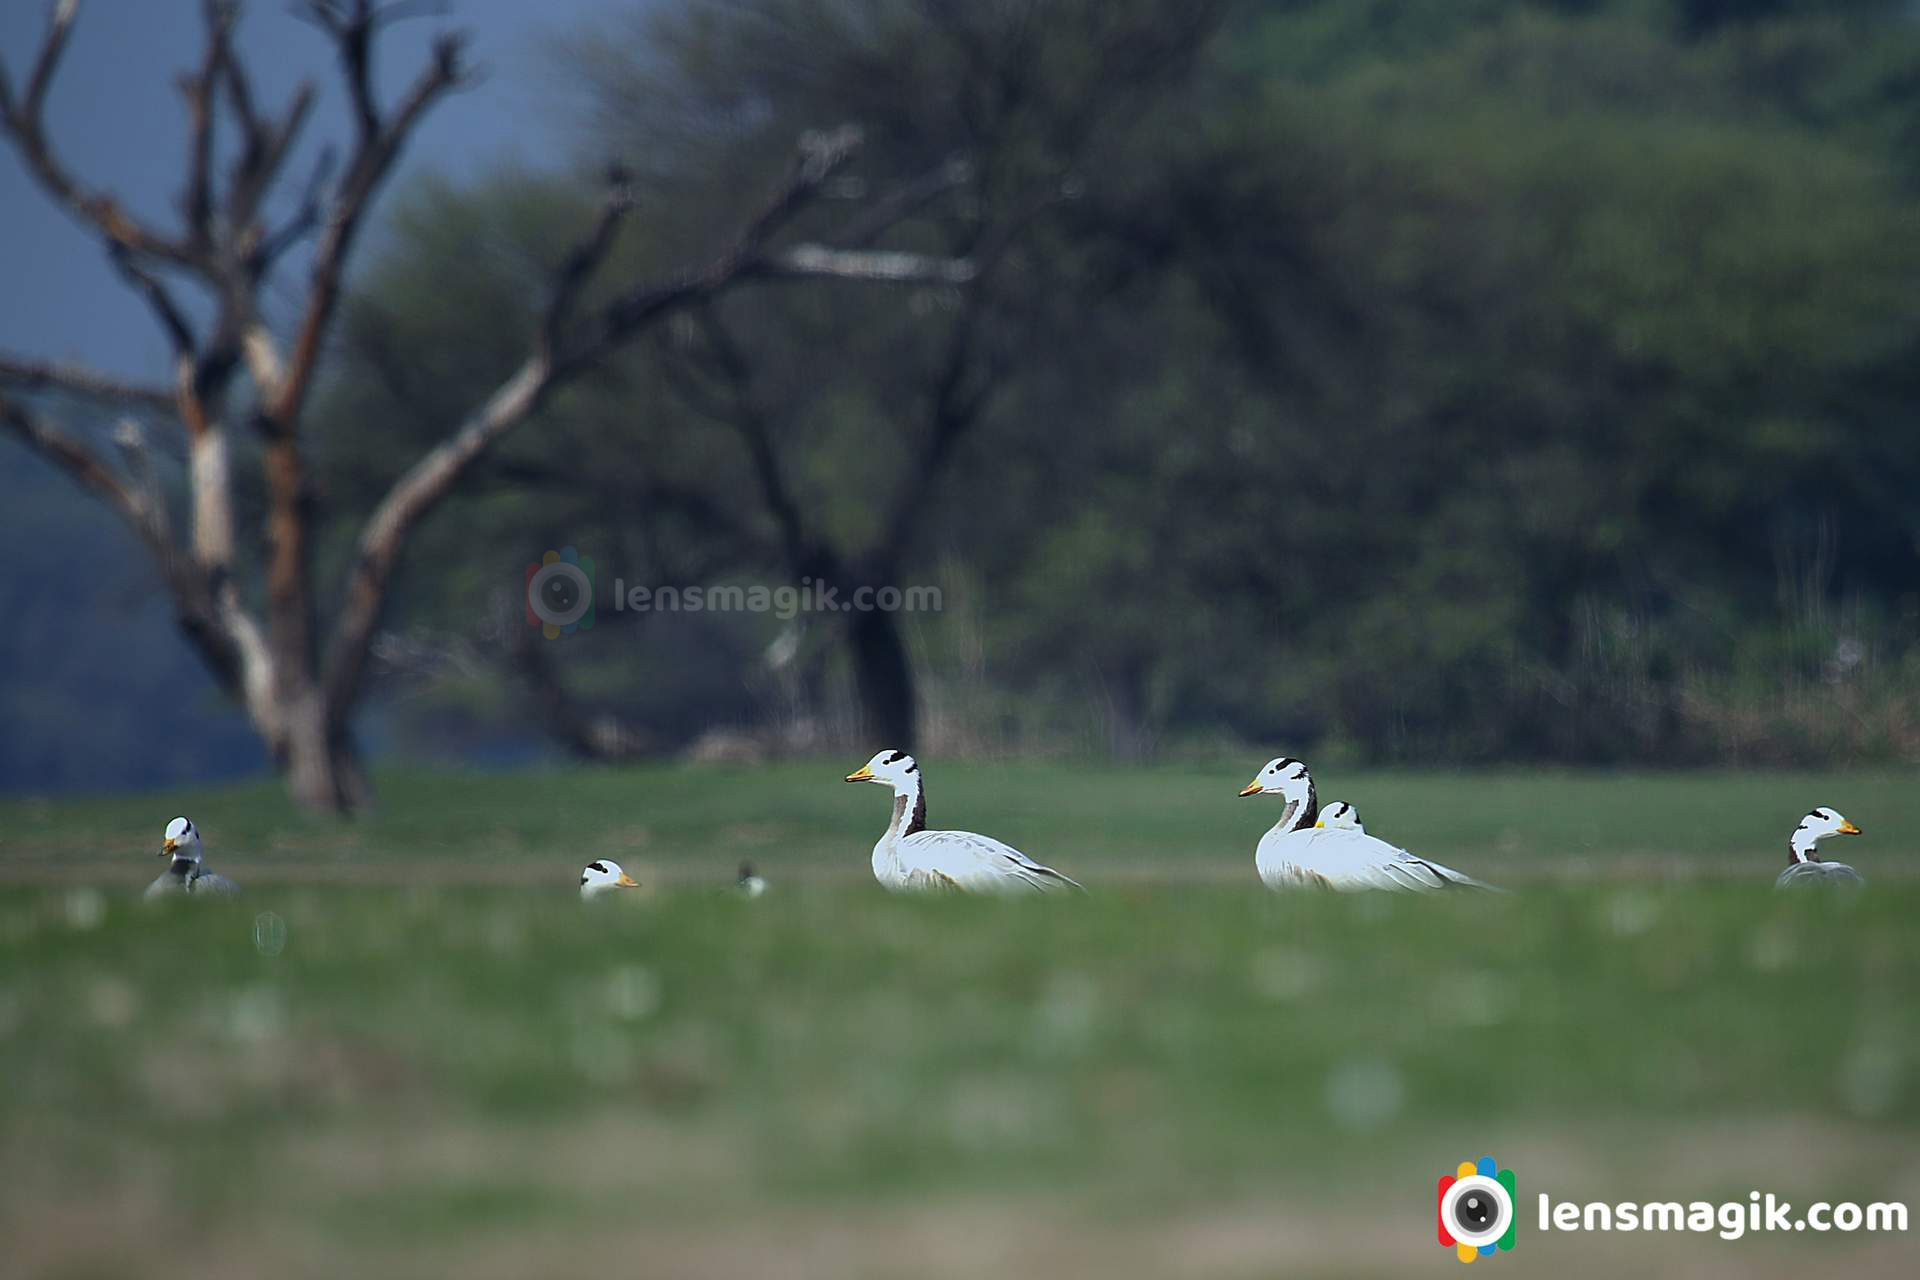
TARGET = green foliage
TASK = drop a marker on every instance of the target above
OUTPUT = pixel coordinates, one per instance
(1476, 381)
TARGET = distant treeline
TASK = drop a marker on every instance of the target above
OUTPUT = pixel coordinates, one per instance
(1489, 380)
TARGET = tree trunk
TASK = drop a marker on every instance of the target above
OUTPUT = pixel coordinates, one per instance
(883, 674)
(323, 769)
(1130, 733)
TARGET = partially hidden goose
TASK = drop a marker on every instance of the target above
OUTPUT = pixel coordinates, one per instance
(1804, 867)
(1298, 854)
(1341, 816)
(186, 873)
(603, 875)
(910, 857)
(749, 884)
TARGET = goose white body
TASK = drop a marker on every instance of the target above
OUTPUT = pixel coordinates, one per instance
(186, 873)
(190, 880)
(960, 860)
(1298, 854)
(1349, 860)
(909, 858)
(1811, 875)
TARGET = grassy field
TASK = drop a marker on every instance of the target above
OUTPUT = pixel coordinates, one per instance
(409, 1050)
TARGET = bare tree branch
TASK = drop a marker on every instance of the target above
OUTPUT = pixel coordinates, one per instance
(239, 87)
(200, 92)
(904, 201)
(263, 152)
(372, 159)
(755, 426)
(59, 25)
(130, 437)
(86, 468)
(351, 26)
(422, 487)
(953, 413)
(41, 375)
(21, 120)
(812, 261)
(172, 319)
(430, 479)
(209, 611)
(585, 259)
(820, 156)
(303, 222)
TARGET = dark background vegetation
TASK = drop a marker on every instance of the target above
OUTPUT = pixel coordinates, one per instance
(1484, 381)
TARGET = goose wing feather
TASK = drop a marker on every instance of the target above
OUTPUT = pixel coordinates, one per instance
(1805, 874)
(1350, 860)
(975, 863)
(208, 882)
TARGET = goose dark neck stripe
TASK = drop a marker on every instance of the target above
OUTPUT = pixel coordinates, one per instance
(1310, 811)
(910, 811)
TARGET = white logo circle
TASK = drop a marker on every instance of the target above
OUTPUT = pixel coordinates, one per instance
(1476, 1199)
(570, 583)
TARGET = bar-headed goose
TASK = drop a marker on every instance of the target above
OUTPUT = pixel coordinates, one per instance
(909, 856)
(603, 875)
(1298, 854)
(750, 884)
(1340, 816)
(185, 872)
(1804, 866)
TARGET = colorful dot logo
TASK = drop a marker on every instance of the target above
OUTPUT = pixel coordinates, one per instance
(1475, 1209)
(560, 593)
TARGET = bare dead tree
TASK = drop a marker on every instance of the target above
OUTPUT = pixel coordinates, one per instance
(298, 675)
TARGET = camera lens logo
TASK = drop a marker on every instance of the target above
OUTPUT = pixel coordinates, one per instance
(560, 593)
(1476, 1209)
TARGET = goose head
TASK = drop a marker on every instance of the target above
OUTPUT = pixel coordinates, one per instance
(603, 876)
(182, 841)
(1341, 816)
(894, 769)
(1815, 827)
(1288, 778)
(1282, 776)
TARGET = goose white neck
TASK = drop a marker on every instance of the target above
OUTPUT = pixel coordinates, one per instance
(909, 807)
(1302, 809)
(1800, 846)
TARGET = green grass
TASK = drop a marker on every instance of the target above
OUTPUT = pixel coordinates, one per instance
(1178, 1073)
(690, 824)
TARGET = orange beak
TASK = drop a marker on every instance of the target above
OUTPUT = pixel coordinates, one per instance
(1251, 789)
(862, 774)
(626, 882)
(1848, 829)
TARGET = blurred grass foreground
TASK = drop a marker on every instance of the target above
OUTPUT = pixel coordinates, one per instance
(409, 1050)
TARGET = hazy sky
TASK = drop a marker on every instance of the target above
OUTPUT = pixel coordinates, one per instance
(117, 119)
